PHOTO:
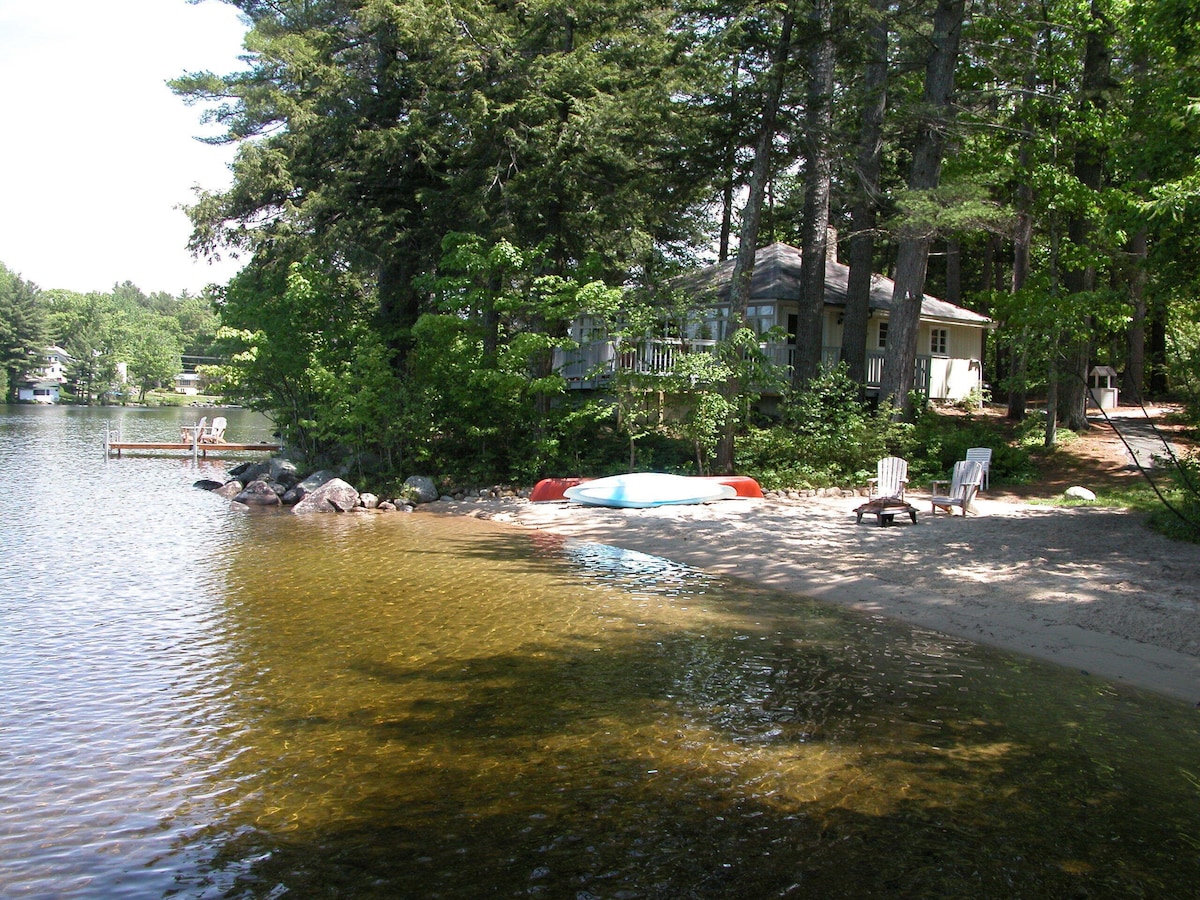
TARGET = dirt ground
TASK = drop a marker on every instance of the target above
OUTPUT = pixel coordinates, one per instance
(1096, 458)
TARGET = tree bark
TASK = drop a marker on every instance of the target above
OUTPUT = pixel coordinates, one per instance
(1089, 170)
(398, 306)
(1133, 381)
(1157, 380)
(730, 167)
(913, 257)
(865, 205)
(1022, 243)
(815, 224)
(760, 174)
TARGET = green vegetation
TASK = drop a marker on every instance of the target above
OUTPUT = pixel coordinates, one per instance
(124, 344)
(1175, 508)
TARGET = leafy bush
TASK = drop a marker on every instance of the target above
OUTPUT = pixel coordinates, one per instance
(828, 436)
(1181, 518)
(940, 440)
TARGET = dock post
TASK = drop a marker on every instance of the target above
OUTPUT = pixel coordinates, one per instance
(195, 445)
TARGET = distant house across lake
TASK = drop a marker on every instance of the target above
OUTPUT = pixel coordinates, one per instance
(44, 384)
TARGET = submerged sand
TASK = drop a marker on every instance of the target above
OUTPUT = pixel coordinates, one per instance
(1089, 588)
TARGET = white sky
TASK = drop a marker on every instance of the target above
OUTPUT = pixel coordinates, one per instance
(96, 152)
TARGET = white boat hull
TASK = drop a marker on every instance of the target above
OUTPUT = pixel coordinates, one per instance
(641, 490)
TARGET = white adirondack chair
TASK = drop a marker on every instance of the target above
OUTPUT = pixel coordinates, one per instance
(960, 490)
(189, 434)
(891, 477)
(983, 456)
(214, 433)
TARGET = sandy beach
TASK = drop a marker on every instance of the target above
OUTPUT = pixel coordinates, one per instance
(1091, 589)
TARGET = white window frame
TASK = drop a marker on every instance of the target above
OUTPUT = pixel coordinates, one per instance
(761, 317)
(881, 336)
(939, 341)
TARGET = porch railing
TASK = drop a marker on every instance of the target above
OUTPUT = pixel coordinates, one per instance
(594, 364)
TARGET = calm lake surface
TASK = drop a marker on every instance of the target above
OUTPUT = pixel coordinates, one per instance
(201, 702)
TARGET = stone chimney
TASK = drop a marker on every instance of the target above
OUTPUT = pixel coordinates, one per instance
(831, 243)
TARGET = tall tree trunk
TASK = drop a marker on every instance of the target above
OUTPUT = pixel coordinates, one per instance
(1089, 170)
(1022, 243)
(865, 204)
(398, 305)
(815, 224)
(1018, 362)
(760, 174)
(1133, 382)
(729, 165)
(1157, 381)
(913, 257)
(954, 270)
(1051, 432)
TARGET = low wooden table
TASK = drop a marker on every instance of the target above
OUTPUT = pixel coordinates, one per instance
(886, 509)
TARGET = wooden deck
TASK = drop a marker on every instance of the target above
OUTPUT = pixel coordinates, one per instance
(114, 448)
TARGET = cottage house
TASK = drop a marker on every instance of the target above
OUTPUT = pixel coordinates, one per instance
(43, 385)
(188, 383)
(950, 340)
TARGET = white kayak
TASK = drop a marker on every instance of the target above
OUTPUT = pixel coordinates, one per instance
(644, 489)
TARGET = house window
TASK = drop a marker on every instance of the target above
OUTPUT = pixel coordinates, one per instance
(715, 325)
(760, 318)
(882, 335)
(939, 341)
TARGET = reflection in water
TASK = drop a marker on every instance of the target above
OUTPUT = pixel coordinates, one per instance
(210, 704)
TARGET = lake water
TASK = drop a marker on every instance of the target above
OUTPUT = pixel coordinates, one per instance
(202, 702)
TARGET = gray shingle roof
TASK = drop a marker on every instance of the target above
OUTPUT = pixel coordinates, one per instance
(777, 277)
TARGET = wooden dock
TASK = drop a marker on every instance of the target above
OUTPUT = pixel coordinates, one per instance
(113, 445)
(203, 450)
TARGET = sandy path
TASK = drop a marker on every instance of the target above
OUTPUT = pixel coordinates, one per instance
(1091, 589)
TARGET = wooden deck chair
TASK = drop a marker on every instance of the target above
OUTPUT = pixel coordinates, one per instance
(214, 433)
(983, 456)
(891, 477)
(962, 486)
(189, 434)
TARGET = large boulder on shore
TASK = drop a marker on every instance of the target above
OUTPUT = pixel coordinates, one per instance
(258, 493)
(229, 490)
(334, 495)
(302, 489)
(421, 488)
(277, 469)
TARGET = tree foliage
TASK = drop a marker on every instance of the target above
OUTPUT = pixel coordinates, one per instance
(22, 328)
(430, 194)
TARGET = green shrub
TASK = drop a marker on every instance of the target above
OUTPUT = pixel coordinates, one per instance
(1181, 518)
(828, 436)
(940, 440)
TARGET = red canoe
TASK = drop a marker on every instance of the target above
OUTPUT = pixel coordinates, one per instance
(553, 488)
